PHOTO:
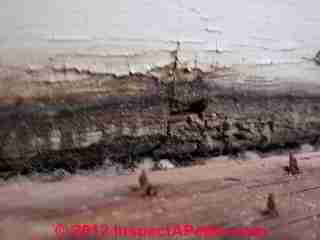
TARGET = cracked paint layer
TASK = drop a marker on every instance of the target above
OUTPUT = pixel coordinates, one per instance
(118, 38)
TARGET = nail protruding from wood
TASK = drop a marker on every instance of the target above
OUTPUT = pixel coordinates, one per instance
(293, 168)
(271, 208)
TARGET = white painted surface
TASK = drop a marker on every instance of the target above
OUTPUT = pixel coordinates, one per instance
(104, 33)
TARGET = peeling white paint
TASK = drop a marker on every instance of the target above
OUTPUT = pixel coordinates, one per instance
(123, 36)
